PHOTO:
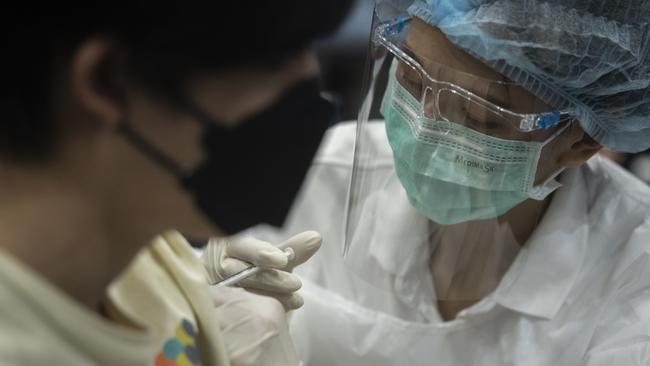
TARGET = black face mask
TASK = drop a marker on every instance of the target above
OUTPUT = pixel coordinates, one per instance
(253, 171)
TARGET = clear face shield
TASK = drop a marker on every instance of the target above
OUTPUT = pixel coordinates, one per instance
(451, 174)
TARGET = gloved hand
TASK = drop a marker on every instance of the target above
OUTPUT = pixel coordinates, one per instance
(254, 328)
(225, 257)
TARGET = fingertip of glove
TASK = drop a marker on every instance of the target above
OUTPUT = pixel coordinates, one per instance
(273, 258)
(314, 240)
(309, 240)
(295, 302)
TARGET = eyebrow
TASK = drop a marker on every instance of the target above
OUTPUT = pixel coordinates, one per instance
(503, 100)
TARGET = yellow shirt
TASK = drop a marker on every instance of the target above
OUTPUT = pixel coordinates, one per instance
(41, 325)
(165, 290)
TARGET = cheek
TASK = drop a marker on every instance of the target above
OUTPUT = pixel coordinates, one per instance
(231, 101)
(232, 106)
(171, 132)
(183, 141)
(146, 197)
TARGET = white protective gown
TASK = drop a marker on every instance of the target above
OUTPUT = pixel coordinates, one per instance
(578, 292)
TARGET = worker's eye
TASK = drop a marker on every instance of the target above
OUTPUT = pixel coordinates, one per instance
(412, 84)
(410, 80)
(483, 120)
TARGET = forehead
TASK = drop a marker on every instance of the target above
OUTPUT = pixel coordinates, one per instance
(429, 43)
(434, 51)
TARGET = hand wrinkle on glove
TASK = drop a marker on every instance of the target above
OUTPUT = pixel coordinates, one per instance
(254, 328)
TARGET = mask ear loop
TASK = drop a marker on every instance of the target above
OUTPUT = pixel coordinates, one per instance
(542, 190)
(181, 100)
(149, 150)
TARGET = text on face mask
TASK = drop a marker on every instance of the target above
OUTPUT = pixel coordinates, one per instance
(472, 164)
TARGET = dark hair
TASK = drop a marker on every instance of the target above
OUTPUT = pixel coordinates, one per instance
(165, 43)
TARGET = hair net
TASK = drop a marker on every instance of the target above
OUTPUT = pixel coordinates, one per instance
(589, 57)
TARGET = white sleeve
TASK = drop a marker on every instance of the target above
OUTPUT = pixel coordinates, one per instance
(637, 354)
(625, 339)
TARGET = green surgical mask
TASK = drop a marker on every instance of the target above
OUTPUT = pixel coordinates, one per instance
(454, 174)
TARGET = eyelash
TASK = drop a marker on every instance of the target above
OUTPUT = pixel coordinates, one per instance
(486, 125)
(413, 84)
(410, 81)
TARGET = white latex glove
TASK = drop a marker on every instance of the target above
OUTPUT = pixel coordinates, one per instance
(254, 328)
(225, 257)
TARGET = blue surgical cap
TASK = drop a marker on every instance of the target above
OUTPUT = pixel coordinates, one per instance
(588, 57)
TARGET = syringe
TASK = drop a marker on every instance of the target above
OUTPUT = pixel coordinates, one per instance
(236, 278)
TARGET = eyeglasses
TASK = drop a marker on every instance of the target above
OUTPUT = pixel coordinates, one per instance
(443, 97)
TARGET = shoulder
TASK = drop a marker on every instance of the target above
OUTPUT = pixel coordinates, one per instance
(338, 146)
(619, 215)
(606, 180)
(344, 147)
(618, 208)
(24, 339)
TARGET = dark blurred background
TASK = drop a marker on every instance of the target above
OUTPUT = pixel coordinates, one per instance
(343, 59)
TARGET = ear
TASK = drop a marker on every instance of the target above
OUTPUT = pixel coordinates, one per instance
(95, 79)
(581, 147)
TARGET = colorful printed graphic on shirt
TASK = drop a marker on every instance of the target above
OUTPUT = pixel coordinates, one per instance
(182, 349)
